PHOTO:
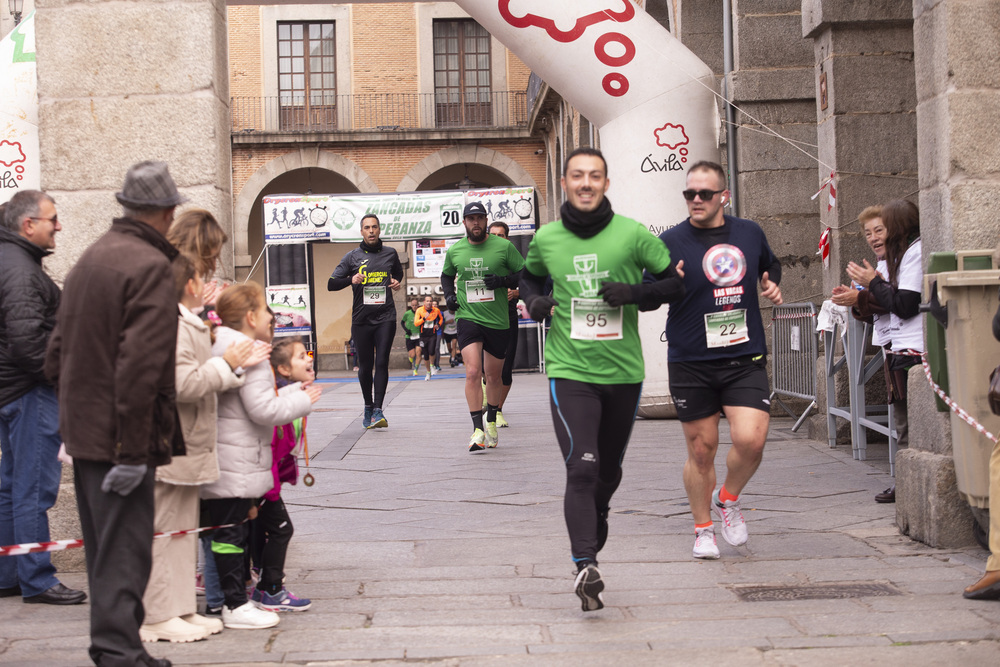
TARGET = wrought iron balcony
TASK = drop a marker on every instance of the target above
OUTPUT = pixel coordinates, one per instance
(381, 112)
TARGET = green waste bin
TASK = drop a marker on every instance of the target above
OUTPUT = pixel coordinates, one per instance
(971, 353)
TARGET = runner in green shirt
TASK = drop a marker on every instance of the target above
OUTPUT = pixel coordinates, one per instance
(593, 355)
(477, 272)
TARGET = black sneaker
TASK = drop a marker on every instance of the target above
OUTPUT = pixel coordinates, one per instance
(588, 587)
(213, 611)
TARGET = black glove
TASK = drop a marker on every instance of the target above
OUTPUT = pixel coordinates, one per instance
(452, 301)
(493, 281)
(123, 479)
(617, 294)
(540, 307)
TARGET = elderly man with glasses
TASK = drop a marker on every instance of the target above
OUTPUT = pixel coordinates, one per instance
(29, 413)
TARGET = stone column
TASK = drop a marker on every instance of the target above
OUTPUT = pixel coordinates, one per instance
(958, 110)
(865, 106)
(119, 83)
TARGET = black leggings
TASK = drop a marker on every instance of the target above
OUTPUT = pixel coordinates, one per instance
(593, 423)
(507, 375)
(229, 545)
(374, 341)
(270, 534)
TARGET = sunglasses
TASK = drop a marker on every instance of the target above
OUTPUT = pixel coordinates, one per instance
(704, 194)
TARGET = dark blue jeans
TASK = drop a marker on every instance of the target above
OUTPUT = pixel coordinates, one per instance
(29, 484)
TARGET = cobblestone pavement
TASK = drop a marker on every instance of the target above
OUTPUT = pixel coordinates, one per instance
(413, 551)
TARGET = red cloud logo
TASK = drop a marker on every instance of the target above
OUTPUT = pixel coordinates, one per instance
(671, 136)
(11, 153)
(549, 25)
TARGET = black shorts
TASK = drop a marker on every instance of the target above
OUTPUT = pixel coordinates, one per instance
(429, 343)
(449, 337)
(494, 340)
(412, 343)
(701, 388)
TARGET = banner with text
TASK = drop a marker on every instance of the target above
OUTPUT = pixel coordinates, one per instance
(404, 216)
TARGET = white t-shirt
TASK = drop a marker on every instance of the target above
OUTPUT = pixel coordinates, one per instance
(450, 327)
(909, 334)
(881, 323)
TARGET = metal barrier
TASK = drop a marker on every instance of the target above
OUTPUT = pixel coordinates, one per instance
(793, 355)
(878, 418)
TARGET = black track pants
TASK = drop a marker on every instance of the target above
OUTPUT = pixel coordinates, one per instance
(374, 341)
(593, 423)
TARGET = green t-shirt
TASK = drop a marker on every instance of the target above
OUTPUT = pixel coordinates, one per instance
(590, 341)
(470, 264)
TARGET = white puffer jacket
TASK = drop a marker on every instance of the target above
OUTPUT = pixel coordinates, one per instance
(247, 417)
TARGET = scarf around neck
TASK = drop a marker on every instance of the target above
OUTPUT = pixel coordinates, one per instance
(586, 224)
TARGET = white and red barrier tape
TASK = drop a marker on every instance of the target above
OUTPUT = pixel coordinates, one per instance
(955, 407)
(62, 545)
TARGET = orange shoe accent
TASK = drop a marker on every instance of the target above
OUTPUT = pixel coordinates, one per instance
(725, 495)
(699, 526)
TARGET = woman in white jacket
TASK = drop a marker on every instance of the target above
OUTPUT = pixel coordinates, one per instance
(247, 417)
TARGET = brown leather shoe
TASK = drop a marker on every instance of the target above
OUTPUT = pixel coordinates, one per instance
(987, 588)
(887, 496)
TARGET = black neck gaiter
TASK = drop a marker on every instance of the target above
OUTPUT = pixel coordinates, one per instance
(587, 224)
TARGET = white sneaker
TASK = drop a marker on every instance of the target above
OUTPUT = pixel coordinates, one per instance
(427, 377)
(214, 625)
(734, 528)
(249, 617)
(704, 544)
(172, 630)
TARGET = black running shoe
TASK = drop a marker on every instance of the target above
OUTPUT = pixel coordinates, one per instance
(588, 588)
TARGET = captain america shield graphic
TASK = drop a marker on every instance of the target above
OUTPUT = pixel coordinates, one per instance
(724, 265)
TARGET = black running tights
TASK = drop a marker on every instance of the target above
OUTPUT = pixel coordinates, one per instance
(593, 423)
(374, 341)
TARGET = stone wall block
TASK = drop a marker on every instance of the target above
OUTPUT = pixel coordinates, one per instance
(817, 13)
(928, 505)
(877, 143)
(708, 46)
(777, 112)
(975, 116)
(115, 50)
(934, 143)
(744, 7)
(974, 209)
(779, 192)
(931, 58)
(792, 239)
(872, 84)
(701, 17)
(930, 430)
(873, 39)
(771, 42)
(781, 84)
(973, 40)
(129, 130)
(936, 228)
(85, 217)
(761, 151)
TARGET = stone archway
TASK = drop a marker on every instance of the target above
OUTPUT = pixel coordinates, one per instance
(300, 159)
(468, 155)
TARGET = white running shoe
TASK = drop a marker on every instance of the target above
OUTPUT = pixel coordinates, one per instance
(476, 442)
(588, 587)
(734, 528)
(427, 377)
(249, 617)
(492, 439)
(704, 544)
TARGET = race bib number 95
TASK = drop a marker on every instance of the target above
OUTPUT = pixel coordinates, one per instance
(593, 319)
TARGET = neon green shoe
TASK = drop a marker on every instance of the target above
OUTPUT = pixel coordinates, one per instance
(476, 445)
(501, 422)
(492, 439)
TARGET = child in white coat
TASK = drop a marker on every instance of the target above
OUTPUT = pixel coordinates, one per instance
(247, 417)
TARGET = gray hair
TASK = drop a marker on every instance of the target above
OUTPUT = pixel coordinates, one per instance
(24, 204)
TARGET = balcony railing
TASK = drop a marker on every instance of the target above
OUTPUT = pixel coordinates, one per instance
(379, 112)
